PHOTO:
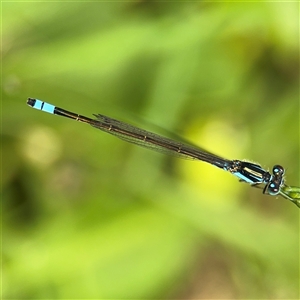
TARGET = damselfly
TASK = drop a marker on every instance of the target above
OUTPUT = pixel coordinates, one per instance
(273, 183)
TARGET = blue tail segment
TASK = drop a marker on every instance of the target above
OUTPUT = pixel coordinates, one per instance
(40, 105)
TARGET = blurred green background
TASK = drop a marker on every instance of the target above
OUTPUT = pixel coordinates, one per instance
(86, 215)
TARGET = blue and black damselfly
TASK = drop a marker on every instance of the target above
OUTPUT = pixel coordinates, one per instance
(272, 183)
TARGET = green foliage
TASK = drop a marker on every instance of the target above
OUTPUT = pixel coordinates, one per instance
(86, 215)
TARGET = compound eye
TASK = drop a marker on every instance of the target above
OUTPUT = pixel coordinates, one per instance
(273, 189)
(278, 170)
